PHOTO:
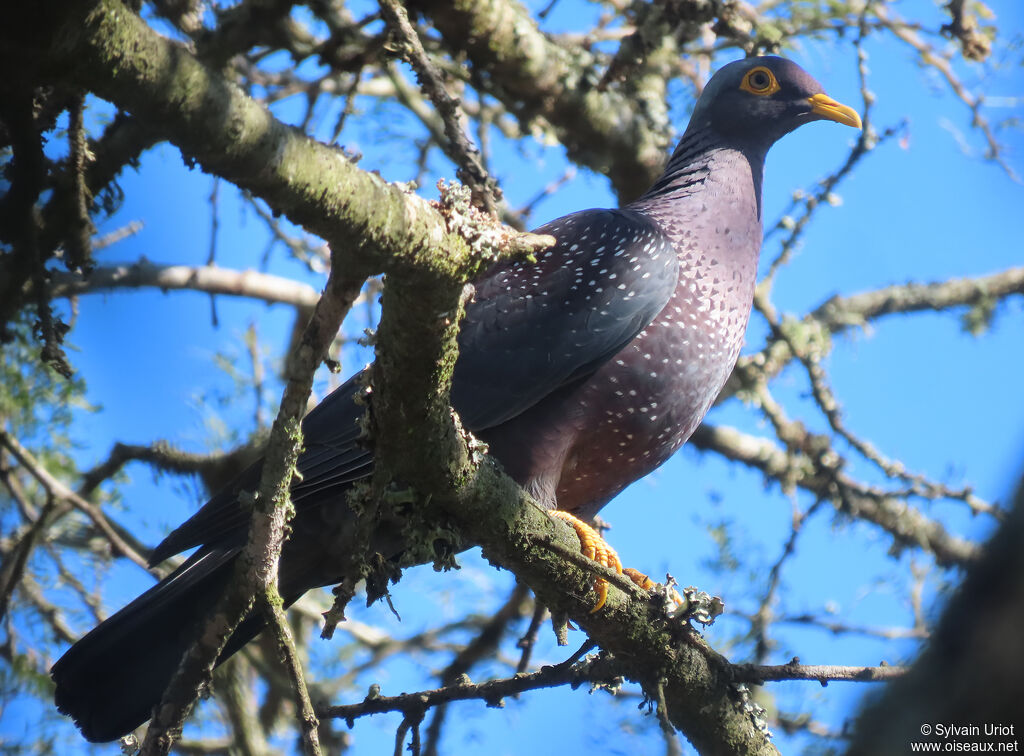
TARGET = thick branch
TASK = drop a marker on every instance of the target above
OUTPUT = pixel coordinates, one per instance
(654, 651)
(112, 52)
(444, 465)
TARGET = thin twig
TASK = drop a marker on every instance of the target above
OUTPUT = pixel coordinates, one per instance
(458, 147)
(61, 492)
(931, 57)
(491, 692)
(763, 617)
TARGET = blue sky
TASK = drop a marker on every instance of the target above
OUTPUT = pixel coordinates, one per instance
(919, 387)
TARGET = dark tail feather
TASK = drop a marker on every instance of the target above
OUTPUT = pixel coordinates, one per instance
(111, 679)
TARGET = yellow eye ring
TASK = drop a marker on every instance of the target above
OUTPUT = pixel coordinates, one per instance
(760, 81)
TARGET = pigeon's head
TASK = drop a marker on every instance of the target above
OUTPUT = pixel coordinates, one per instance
(756, 101)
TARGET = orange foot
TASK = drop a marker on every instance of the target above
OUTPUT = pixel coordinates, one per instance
(593, 546)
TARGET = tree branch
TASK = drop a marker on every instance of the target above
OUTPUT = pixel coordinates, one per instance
(213, 468)
(823, 673)
(621, 134)
(969, 672)
(462, 495)
(206, 278)
(842, 312)
(888, 511)
(457, 145)
(112, 52)
(597, 669)
(257, 565)
(64, 494)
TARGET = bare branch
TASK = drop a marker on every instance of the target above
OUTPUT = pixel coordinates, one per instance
(969, 671)
(842, 312)
(483, 645)
(164, 457)
(286, 644)
(823, 673)
(598, 669)
(16, 556)
(840, 628)
(763, 618)
(206, 278)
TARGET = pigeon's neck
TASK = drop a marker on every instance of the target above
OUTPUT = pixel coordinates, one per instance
(710, 191)
(701, 165)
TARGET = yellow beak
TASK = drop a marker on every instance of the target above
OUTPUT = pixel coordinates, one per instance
(826, 107)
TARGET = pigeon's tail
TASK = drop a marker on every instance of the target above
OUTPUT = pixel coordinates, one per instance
(111, 679)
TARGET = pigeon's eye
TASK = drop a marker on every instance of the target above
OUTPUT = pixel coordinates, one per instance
(760, 81)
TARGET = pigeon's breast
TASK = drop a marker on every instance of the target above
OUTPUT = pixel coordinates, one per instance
(641, 406)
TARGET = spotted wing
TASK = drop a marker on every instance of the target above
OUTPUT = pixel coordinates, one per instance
(534, 328)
